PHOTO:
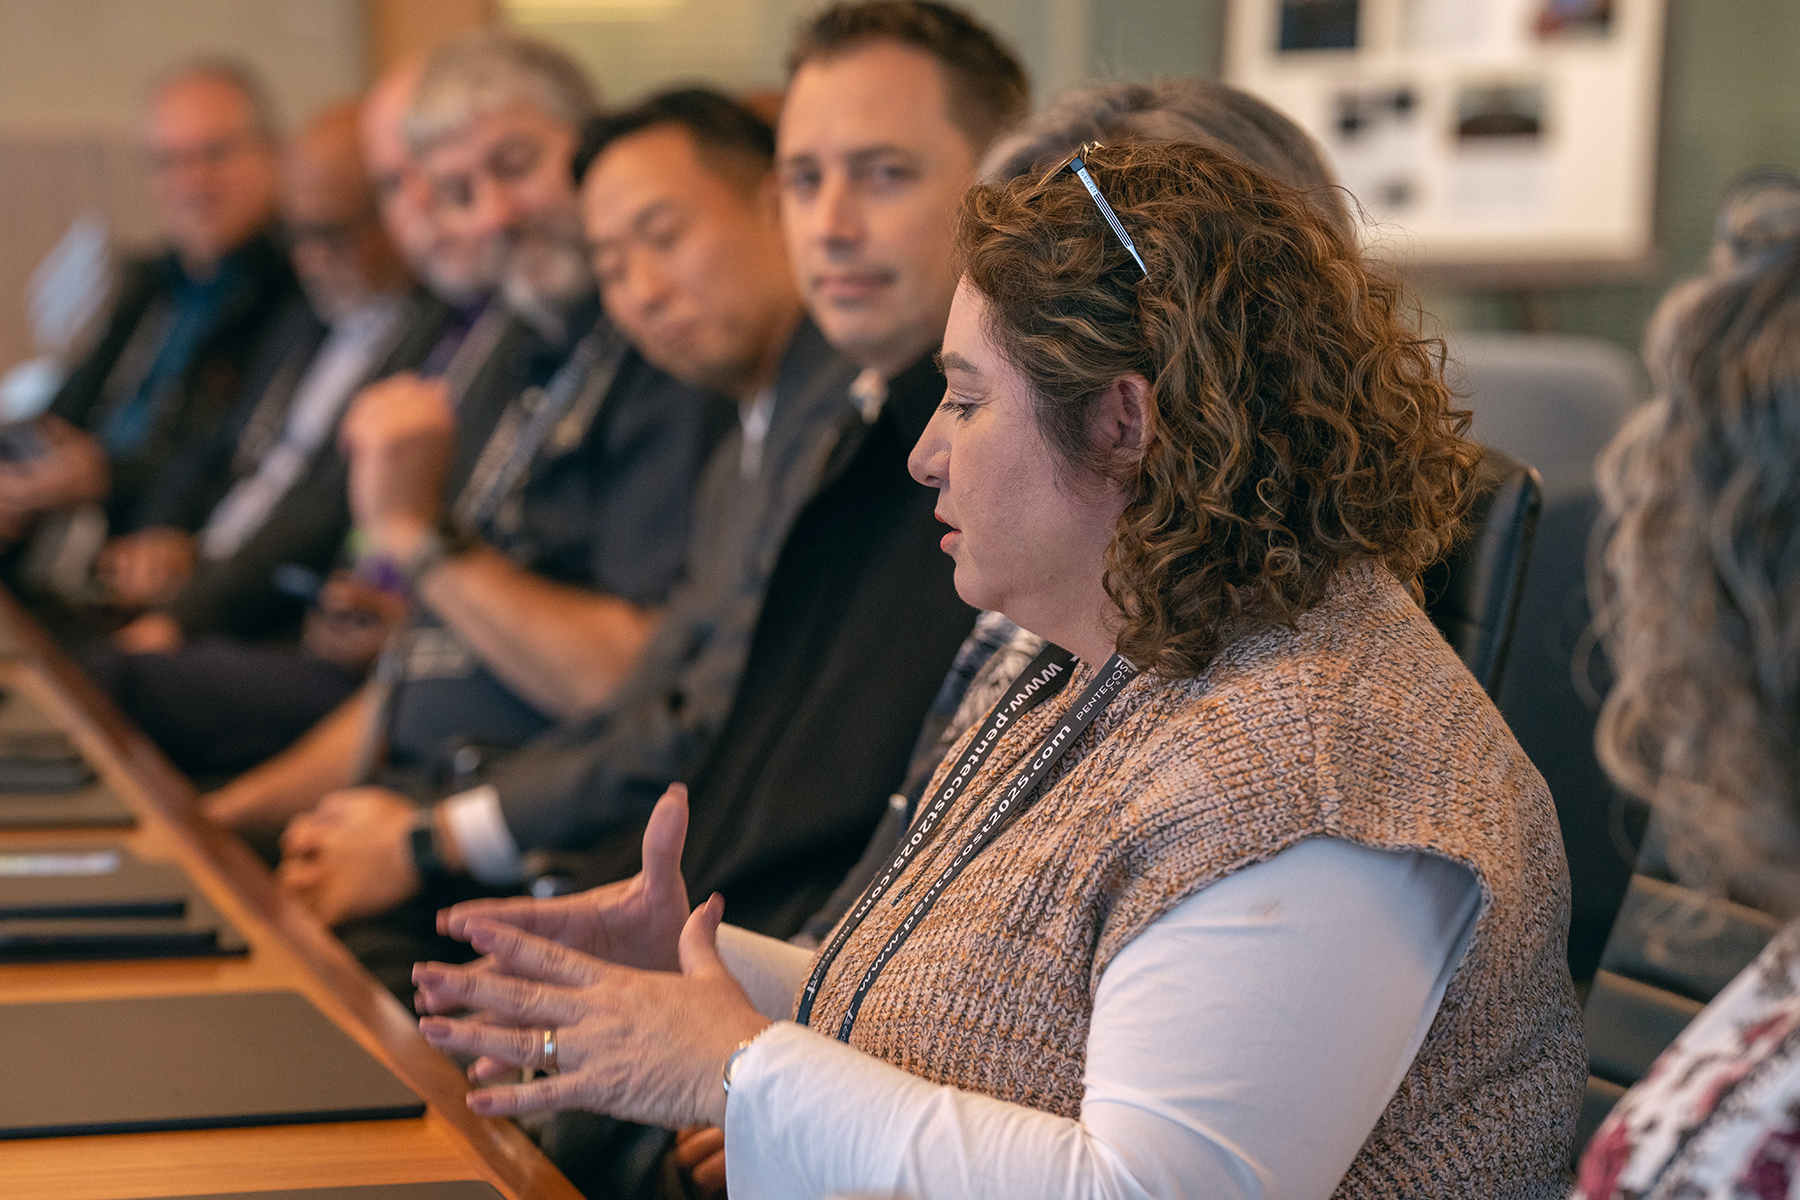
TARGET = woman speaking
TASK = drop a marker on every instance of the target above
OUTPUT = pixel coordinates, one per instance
(1243, 887)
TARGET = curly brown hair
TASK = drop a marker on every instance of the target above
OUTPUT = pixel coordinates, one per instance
(1299, 421)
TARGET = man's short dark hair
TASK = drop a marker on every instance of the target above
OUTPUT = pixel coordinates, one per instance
(733, 141)
(985, 87)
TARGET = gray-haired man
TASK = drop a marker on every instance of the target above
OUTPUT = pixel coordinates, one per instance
(538, 584)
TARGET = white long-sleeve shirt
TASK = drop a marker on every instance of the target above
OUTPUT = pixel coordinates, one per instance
(1243, 1045)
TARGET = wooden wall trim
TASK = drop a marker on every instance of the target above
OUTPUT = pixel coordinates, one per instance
(398, 28)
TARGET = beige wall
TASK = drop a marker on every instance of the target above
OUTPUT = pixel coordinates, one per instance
(81, 66)
(72, 73)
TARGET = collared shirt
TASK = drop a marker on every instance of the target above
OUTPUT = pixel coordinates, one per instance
(868, 391)
(353, 348)
(754, 422)
(172, 338)
(683, 686)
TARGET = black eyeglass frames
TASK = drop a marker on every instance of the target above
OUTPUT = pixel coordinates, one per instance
(1077, 166)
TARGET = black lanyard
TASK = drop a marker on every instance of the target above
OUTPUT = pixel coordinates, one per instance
(576, 388)
(1046, 675)
(566, 407)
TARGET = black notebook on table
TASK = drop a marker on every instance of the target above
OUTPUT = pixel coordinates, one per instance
(41, 760)
(76, 903)
(185, 1062)
(200, 932)
(87, 881)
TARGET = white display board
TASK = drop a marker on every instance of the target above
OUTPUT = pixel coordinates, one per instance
(1511, 138)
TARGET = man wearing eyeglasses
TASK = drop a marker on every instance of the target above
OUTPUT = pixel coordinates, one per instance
(792, 766)
(211, 672)
(539, 572)
(173, 355)
(353, 317)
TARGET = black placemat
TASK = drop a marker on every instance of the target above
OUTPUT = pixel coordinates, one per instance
(91, 807)
(185, 1062)
(201, 932)
(92, 880)
(41, 760)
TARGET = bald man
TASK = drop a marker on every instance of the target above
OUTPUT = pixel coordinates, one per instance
(179, 342)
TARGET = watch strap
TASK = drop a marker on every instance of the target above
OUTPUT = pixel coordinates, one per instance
(427, 859)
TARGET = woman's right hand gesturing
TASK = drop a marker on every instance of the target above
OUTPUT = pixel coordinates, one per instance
(635, 923)
(644, 1046)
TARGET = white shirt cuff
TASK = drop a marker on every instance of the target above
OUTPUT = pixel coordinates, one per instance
(487, 845)
(771, 972)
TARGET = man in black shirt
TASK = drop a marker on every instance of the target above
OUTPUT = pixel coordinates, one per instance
(860, 619)
(538, 582)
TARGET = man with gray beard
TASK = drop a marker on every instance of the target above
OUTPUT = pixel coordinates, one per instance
(537, 584)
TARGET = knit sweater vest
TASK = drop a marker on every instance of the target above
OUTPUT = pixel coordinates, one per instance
(1360, 723)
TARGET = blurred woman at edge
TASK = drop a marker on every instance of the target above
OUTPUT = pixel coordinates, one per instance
(1699, 598)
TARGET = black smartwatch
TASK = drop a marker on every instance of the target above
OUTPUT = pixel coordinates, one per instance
(424, 842)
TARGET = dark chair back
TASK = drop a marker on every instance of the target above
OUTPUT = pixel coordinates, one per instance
(1473, 595)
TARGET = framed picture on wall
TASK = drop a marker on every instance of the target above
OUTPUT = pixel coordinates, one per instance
(1511, 140)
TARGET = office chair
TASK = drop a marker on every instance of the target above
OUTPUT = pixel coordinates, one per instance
(1671, 950)
(1554, 402)
(1473, 595)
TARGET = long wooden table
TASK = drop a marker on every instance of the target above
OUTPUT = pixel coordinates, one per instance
(289, 949)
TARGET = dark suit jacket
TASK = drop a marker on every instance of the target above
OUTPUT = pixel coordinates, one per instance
(210, 387)
(237, 595)
(583, 780)
(606, 511)
(199, 473)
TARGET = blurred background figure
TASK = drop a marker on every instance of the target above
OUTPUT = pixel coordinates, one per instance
(1175, 110)
(179, 341)
(460, 270)
(355, 286)
(1698, 590)
(494, 123)
(272, 487)
(68, 292)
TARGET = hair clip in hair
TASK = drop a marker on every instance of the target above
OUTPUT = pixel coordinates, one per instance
(1077, 166)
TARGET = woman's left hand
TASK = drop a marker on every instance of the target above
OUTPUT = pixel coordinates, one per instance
(644, 1046)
